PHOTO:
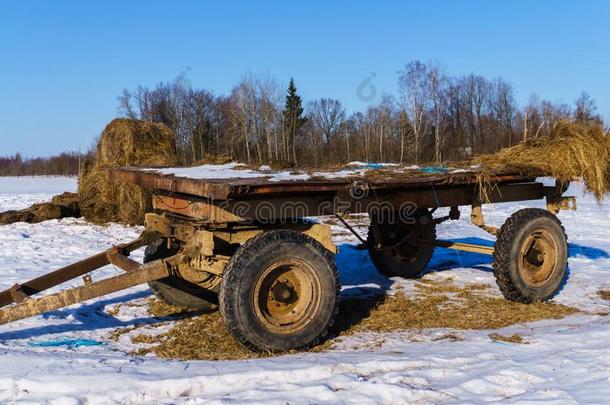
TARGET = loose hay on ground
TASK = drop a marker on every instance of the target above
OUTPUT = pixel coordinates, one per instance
(61, 206)
(436, 305)
(604, 294)
(203, 336)
(446, 305)
(515, 338)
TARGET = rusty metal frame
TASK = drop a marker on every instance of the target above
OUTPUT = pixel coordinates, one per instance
(281, 208)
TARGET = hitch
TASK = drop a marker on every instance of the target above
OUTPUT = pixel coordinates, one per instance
(24, 306)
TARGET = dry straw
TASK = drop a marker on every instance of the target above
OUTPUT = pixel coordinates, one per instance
(435, 305)
(571, 151)
(123, 143)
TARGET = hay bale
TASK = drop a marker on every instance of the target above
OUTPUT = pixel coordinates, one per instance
(123, 143)
(571, 151)
(61, 206)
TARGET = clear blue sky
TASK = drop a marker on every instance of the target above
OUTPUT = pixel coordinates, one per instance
(62, 64)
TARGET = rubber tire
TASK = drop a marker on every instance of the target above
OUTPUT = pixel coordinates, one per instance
(510, 237)
(242, 272)
(171, 290)
(387, 264)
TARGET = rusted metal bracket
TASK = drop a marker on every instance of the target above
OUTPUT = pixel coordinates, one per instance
(554, 200)
(561, 203)
(477, 218)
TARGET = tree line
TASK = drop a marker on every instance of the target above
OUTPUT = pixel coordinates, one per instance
(434, 118)
(64, 164)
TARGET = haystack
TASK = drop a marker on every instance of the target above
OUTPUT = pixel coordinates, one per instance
(571, 151)
(123, 143)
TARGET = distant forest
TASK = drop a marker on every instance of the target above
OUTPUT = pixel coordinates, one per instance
(65, 164)
(434, 118)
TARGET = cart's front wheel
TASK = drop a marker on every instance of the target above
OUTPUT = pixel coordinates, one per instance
(279, 291)
(530, 256)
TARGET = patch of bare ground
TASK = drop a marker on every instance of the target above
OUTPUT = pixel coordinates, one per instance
(435, 305)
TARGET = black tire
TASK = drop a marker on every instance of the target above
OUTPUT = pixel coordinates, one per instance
(395, 255)
(530, 256)
(174, 290)
(267, 266)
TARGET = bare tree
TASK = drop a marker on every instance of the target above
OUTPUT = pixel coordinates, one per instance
(437, 83)
(414, 91)
(326, 115)
(585, 110)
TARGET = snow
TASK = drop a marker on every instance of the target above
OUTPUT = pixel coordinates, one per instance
(239, 171)
(562, 361)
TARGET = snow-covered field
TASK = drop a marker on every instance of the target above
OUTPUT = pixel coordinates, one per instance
(21, 192)
(561, 361)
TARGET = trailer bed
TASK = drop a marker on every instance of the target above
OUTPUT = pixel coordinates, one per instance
(270, 184)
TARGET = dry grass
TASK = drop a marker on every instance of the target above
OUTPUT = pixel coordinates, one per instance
(446, 305)
(515, 338)
(604, 294)
(436, 305)
(572, 151)
(203, 336)
(123, 143)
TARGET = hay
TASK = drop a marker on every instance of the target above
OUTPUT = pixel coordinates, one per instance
(446, 305)
(604, 294)
(515, 338)
(61, 206)
(571, 151)
(123, 143)
(202, 337)
(436, 305)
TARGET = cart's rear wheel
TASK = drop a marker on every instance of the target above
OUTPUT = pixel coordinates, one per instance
(174, 290)
(279, 291)
(530, 256)
(393, 248)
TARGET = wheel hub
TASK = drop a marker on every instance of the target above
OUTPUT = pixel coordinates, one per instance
(283, 293)
(538, 257)
(286, 295)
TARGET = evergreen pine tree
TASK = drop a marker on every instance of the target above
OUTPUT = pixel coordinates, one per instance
(293, 120)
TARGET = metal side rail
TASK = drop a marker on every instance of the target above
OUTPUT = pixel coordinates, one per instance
(136, 273)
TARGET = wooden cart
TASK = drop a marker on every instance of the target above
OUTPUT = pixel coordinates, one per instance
(246, 246)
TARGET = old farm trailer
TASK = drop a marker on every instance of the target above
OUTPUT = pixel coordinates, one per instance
(246, 246)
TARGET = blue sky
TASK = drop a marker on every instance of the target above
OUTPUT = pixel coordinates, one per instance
(62, 63)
